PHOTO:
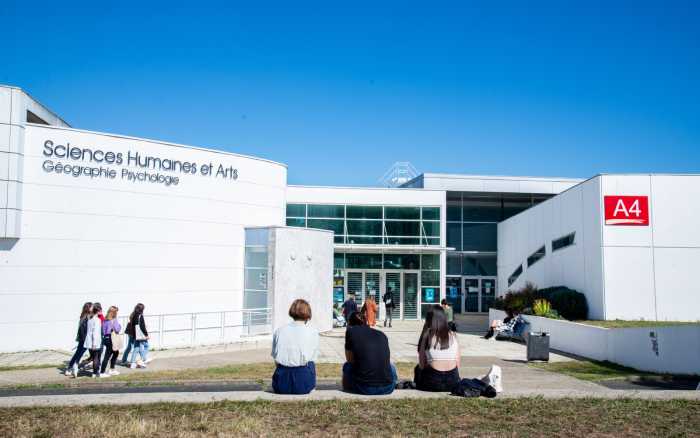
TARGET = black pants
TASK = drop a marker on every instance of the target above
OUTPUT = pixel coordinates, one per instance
(95, 358)
(110, 355)
(429, 379)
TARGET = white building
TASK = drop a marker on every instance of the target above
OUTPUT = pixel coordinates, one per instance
(88, 216)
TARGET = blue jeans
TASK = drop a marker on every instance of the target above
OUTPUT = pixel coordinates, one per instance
(79, 351)
(140, 347)
(351, 386)
(294, 380)
(129, 346)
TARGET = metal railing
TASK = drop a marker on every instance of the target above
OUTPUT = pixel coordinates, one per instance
(204, 328)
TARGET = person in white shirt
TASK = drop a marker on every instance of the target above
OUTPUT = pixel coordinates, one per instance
(295, 349)
(93, 338)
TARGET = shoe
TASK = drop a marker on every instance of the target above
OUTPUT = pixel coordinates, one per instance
(133, 366)
(493, 378)
(142, 365)
(114, 373)
(75, 371)
(68, 372)
(105, 375)
(94, 376)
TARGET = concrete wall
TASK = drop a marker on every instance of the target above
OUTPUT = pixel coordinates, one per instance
(177, 248)
(650, 271)
(578, 266)
(673, 349)
(301, 266)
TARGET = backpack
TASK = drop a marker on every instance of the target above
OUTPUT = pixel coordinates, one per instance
(473, 388)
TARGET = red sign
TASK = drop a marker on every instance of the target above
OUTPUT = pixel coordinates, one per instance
(626, 210)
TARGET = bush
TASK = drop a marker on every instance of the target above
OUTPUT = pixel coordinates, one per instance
(541, 307)
(570, 304)
(564, 302)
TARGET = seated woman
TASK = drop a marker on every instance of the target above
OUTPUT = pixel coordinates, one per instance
(438, 354)
(498, 326)
(295, 348)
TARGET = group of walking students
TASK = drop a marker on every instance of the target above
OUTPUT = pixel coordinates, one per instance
(368, 369)
(101, 336)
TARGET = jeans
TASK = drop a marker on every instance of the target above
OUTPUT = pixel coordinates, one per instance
(79, 351)
(388, 316)
(351, 386)
(430, 379)
(140, 347)
(110, 355)
(127, 350)
(294, 380)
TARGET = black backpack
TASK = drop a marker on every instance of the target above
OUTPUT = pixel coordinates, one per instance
(473, 388)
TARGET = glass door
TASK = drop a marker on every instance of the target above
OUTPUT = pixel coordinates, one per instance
(372, 285)
(410, 295)
(471, 295)
(454, 293)
(393, 284)
(488, 293)
(354, 286)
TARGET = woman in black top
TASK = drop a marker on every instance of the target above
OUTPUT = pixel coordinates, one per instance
(137, 326)
(72, 368)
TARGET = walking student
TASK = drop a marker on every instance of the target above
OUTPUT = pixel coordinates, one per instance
(389, 305)
(438, 354)
(111, 342)
(72, 368)
(450, 314)
(295, 349)
(93, 339)
(368, 369)
(370, 311)
(140, 334)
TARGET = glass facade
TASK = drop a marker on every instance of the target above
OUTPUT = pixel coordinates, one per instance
(370, 224)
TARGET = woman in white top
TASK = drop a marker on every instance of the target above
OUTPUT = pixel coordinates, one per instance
(295, 348)
(438, 354)
(93, 338)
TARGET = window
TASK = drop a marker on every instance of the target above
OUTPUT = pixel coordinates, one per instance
(296, 210)
(478, 265)
(481, 209)
(454, 236)
(563, 242)
(514, 276)
(401, 261)
(536, 256)
(370, 224)
(479, 237)
(430, 261)
(338, 260)
(327, 211)
(363, 261)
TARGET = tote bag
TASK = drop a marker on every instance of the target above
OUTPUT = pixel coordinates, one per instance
(140, 335)
(117, 341)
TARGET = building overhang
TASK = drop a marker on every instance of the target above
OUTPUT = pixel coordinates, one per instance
(391, 249)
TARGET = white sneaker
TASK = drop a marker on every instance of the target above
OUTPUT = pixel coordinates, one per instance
(68, 373)
(75, 371)
(142, 365)
(105, 375)
(114, 373)
(493, 378)
(94, 376)
(133, 366)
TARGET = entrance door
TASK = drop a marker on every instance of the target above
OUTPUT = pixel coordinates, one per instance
(393, 284)
(454, 293)
(409, 301)
(479, 293)
(404, 285)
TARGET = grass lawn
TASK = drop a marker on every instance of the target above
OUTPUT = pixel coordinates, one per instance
(407, 417)
(618, 323)
(590, 370)
(28, 367)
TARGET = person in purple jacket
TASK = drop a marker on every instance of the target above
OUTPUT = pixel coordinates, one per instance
(110, 325)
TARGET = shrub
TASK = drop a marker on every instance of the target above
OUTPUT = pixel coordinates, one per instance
(564, 302)
(541, 307)
(569, 303)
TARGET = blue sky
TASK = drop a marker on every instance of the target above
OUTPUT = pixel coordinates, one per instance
(340, 93)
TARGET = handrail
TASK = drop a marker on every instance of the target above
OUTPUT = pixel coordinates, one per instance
(169, 330)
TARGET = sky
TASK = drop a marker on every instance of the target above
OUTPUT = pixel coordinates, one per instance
(340, 92)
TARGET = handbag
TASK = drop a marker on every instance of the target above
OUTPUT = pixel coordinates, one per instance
(139, 334)
(117, 341)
